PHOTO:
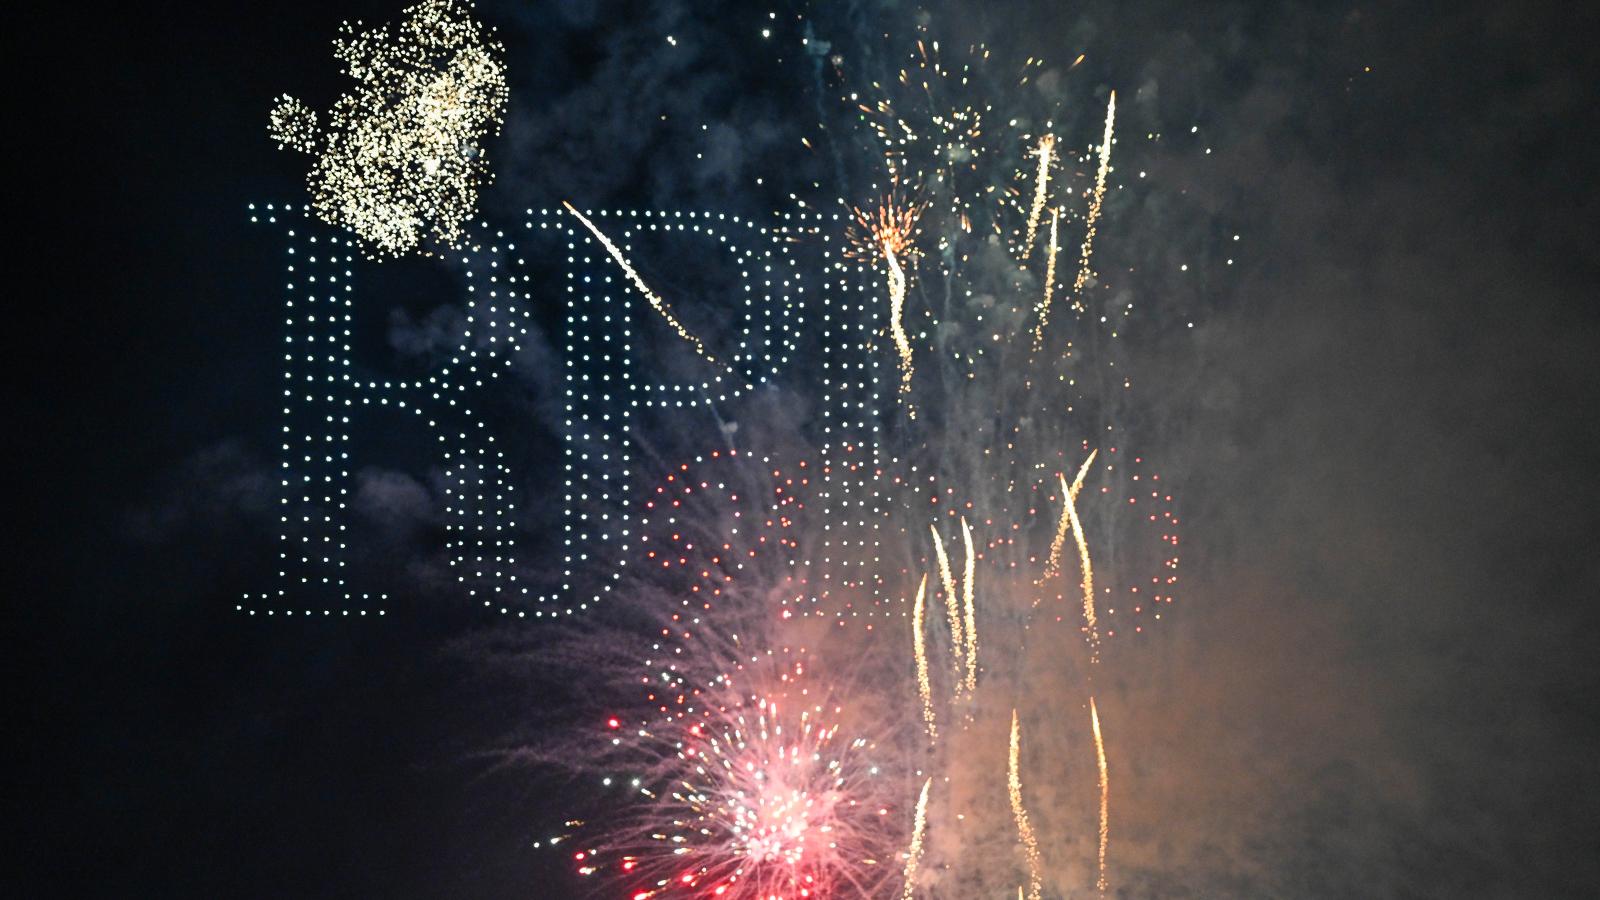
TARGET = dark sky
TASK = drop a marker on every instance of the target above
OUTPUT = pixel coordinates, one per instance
(1384, 684)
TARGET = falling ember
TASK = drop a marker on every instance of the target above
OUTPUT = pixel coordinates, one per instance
(659, 304)
(1052, 567)
(1093, 217)
(919, 635)
(1041, 188)
(914, 853)
(1049, 281)
(951, 605)
(1030, 842)
(971, 609)
(1105, 794)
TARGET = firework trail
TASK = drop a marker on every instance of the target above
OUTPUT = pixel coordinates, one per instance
(1052, 566)
(1030, 842)
(952, 607)
(1049, 282)
(1041, 187)
(897, 328)
(1089, 617)
(1094, 205)
(919, 637)
(887, 230)
(1105, 794)
(656, 302)
(914, 852)
(971, 630)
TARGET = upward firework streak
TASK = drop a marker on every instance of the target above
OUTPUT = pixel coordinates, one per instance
(1049, 282)
(919, 824)
(1041, 188)
(656, 302)
(1094, 205)
(1089, 617)
(1052, 567)
(920, 646)
(1030, 842)
(1105, 794)
(897, 328)
(887, 230)
(971, 609)
(952, 607)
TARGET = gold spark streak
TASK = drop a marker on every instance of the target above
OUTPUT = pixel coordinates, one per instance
(920, 646)
(919, 824)
(1088, 575)
(971, 609)
(951, 605)
(1049, 281)
(1094, 205)
(1041, 187)
(1052, 567)
(897, 306)
(659, 304)
(1030, 842)
(1105, 794)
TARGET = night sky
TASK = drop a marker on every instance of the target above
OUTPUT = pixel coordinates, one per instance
(1382, 682)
